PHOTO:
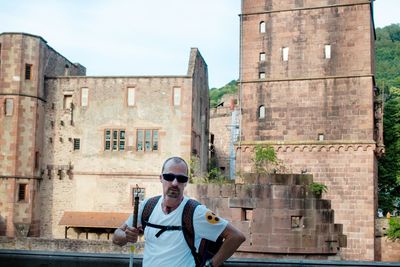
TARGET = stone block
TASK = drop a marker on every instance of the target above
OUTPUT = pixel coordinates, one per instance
(248, 203)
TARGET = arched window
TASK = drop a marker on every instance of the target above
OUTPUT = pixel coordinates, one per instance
(261, 112)
(262, 26)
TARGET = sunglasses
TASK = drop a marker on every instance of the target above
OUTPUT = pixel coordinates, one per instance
(171, 177)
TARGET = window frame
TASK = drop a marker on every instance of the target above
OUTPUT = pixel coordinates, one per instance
(112, 142)
(142, 138)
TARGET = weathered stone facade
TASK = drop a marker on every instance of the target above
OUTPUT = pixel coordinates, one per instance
(307, 89)
(224, 128)
(78, 143)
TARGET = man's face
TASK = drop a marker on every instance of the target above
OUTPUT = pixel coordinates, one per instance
(174, 189)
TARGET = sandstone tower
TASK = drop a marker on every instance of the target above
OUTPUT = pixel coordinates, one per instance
(307, 89)
(25, 61)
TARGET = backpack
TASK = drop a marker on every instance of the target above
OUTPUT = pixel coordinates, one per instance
(207, 248)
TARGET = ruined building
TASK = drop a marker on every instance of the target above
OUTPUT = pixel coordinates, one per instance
(72, 143)
(307, 89)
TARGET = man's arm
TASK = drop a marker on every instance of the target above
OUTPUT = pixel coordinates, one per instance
(125, 234)
(233, 238)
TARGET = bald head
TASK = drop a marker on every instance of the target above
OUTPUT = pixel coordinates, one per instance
(174, 160)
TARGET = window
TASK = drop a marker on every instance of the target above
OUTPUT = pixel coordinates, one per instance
(261, 112)
(9, 106)
(77, 144)
(262, 56)
(327, 51)
(285, 53)
(321, 137)
(131, 96)
(67, 101)
(262, 26)
(296, 222)
(177, 96)
(28, 71)
(114, 140)
(137, 191)
(147, 140)
(22, 192)
(84, 97)
(261, 75)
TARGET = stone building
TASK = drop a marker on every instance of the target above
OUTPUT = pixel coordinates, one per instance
(307, 89)
(72, 143)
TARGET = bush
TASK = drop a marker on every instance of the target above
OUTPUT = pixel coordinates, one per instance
(393, 232)
(318, 188)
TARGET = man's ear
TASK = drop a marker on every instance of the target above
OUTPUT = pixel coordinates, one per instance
(160, 178)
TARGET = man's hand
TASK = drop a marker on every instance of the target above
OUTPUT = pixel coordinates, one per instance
(131, 234)
(125, 234)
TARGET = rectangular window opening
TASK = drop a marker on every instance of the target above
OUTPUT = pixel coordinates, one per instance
(22, 192)
(114, 140)
(261, 75)
(262, 56)
(327, 51)
(77, 143)
(67, 103)
(247, 214)
(84, 97)
(296, 222)
(9, 107)
(177, 96)
(131, 96)
(28, 71)
(285, 53)
(147, 140)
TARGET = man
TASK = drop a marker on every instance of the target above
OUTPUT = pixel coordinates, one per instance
(170, 248)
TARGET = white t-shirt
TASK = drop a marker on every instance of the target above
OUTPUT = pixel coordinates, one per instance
(170, 248)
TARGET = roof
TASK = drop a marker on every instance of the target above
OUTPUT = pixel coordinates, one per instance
(93, 219)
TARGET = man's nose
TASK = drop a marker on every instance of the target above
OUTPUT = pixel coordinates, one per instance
(175, 182)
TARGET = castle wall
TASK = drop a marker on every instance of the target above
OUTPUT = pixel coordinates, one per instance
(312, 71)
(200, 108)
(22, 123)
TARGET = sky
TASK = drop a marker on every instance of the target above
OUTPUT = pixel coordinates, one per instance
(144, 37)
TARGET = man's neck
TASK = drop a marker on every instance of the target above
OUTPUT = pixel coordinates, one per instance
(170, 204)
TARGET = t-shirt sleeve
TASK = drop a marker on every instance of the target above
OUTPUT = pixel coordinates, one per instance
(129, 221)
(208, 225)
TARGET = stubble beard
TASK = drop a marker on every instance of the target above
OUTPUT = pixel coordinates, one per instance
(173, 192)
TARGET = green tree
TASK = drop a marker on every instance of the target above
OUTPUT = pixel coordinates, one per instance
(217, 93)
(388, 79)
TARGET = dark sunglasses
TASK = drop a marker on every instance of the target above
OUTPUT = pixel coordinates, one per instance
(171, 177)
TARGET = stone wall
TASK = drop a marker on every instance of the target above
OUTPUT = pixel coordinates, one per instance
(319, 110)
(21, 134)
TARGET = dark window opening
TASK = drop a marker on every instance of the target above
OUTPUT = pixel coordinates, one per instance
(22, 192)
(28, 71)
(77, 143)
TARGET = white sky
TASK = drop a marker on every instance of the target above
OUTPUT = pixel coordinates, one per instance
(144, 37)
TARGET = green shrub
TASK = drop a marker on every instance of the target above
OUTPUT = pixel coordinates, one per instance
(318, 188)
(393, 232)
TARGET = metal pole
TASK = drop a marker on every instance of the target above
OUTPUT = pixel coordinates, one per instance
(134, 224)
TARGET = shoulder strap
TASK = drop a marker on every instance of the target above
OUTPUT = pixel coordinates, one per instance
(148, 209)
(187, 227)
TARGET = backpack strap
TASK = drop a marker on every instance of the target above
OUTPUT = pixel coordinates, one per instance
(163, 228)
(188, 229)
(148, 209)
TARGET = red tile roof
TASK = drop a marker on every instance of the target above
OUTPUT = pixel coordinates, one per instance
(93, 219)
